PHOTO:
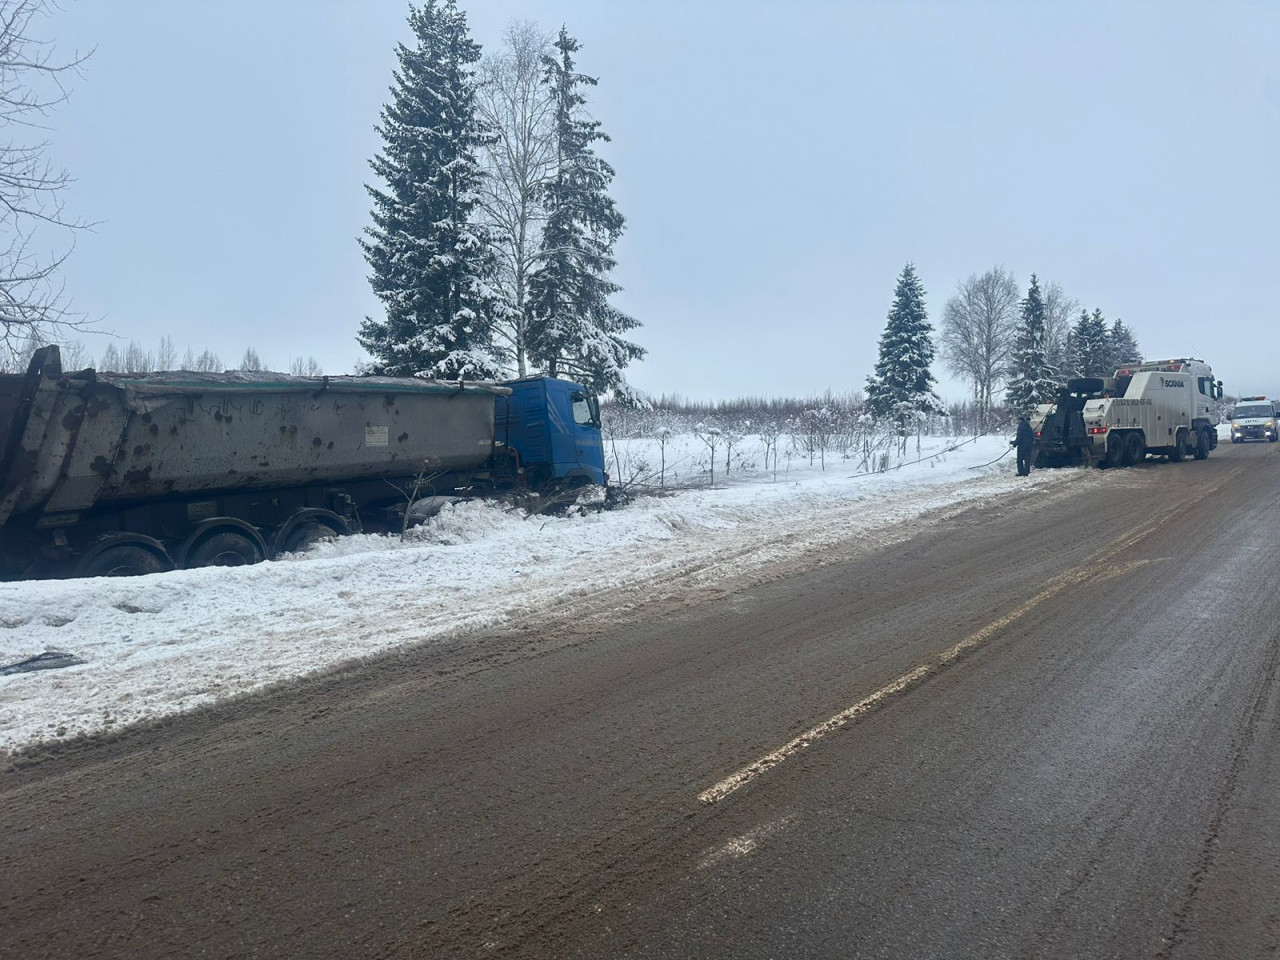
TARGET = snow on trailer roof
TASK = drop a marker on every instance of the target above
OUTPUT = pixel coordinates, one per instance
(183, 381)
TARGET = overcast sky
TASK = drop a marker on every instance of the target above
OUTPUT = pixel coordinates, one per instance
(778, 164)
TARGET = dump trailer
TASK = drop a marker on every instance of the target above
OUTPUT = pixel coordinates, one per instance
(1162, 407)
(111, 474)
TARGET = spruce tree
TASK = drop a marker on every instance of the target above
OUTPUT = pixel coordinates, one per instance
(1032, 380)
(573, 330)
(902, 387)
(430, 261)
(1124, 347)
(1091, 346)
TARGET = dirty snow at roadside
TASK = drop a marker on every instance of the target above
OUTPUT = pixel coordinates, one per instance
(166, 643)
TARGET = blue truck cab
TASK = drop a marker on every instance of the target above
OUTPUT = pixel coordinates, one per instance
(554, 427)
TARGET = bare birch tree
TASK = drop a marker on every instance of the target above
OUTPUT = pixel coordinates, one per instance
(305, 368)
(519, 110)
(978, 325)
(207, 362)
(136, 359)
(33, 77)
(251, 362)
(166, 357)
(1059, 312)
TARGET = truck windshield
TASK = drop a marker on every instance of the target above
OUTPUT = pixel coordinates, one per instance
(1251, 410)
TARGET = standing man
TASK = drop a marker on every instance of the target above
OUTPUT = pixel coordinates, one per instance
(1024, 441)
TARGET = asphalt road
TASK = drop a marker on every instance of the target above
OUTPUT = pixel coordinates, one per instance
(1044, 728)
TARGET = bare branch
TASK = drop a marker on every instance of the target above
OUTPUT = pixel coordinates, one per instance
(33, 81)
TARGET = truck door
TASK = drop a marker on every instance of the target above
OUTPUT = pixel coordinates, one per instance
(586, 423)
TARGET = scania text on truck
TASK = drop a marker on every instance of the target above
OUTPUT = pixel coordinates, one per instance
(110, 474)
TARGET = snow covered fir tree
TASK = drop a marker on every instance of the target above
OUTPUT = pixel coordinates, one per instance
(1124, 346)
(1098, 351)
(430, 259)
(901, 390)
(573, 328)
(434, 257)
(1032, 380)
(1090, 346)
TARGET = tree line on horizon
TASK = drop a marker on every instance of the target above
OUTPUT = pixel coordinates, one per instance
(992, 338)
(493, 237)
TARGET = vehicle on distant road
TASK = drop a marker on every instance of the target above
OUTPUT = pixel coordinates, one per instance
(1254, 418)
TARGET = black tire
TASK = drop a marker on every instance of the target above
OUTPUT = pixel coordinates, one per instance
(228, 548)
(1202, 444)
(124, 560)
(307, 533)
(1116, 446)
(1135, 449)
(1179, 452)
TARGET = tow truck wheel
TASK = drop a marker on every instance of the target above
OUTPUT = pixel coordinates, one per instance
(1202, 444)
(1179, 447)
(1136, 449)
(1138, 446)
(1116, 446)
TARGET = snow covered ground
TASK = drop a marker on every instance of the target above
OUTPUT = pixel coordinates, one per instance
(158, 645)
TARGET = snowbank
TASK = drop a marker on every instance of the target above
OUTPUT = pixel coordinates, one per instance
(162, 644)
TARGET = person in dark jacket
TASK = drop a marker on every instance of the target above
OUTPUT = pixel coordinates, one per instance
(1024, 441)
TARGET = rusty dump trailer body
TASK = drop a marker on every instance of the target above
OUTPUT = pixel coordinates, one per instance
(162, 463)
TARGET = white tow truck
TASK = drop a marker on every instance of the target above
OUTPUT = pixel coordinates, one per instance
(1161, 407)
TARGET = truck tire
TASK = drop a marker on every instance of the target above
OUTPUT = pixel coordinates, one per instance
(1202, 444)
(1117, 444)
(1135, 448)
(1179, 452)
(305, 534)
(123, 560)
(228, 548)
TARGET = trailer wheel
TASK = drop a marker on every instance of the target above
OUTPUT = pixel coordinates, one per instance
(307, 527)
(228, 548)
(306, 533)
(1179, 447)
(124, 560)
